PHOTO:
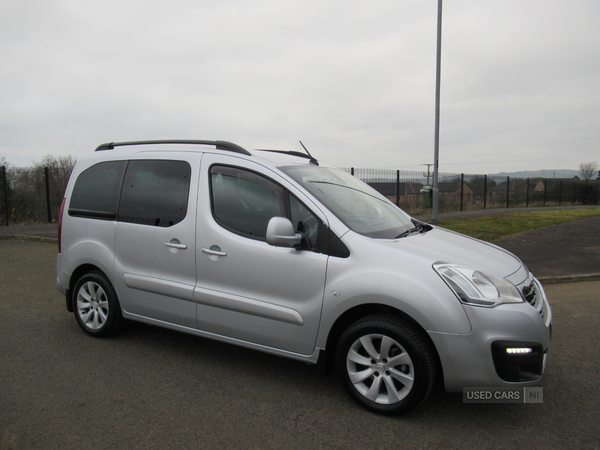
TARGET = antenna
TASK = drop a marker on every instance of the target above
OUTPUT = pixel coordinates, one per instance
(312, 159)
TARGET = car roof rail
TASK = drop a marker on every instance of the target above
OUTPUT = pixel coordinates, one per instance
(220, 145)
(306, 155)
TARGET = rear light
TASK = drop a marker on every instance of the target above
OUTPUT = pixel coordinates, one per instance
(60, 216)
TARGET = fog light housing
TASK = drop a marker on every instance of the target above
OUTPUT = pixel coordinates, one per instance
(518, 361)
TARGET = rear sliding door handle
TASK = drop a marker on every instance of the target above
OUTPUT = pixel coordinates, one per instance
(176, 246)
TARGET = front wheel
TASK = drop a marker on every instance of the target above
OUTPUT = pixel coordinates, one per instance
(386, 364)
(96, 306)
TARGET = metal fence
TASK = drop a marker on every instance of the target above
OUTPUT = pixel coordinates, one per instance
(34, 195)
(464, 192)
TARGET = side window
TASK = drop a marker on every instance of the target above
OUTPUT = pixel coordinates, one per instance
(304, 221)
(244, 202)
(96, 191)
(155, 192)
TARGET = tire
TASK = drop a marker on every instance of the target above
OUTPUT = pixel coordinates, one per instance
(96, 306)
(386, 364)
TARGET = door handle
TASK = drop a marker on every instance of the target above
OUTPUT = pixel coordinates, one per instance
(211, 252)
(176, 246)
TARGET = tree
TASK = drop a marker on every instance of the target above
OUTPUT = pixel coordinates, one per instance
(26, 188)
(588, 170)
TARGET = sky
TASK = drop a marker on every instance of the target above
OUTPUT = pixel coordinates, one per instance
(353, 80)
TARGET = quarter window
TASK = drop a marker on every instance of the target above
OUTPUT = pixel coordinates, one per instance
(155, 192)
(304, 221)
(96, 191)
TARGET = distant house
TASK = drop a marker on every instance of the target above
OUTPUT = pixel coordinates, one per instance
(409, 193)
(450, 191)
(388, 188)
(551, 184)
(516, 189)
(498, 192)
(477, 187)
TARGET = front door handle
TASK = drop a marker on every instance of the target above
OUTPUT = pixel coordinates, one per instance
(213, 251)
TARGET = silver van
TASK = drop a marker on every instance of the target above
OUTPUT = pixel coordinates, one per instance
(271, 251)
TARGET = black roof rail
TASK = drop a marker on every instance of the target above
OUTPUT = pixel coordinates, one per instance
(306, 155)
(292, 153)
(220, 145)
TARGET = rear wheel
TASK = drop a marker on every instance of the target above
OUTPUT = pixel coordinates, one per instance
(96, 306)
(386, 364)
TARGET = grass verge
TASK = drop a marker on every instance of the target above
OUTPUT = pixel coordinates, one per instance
(490, 228)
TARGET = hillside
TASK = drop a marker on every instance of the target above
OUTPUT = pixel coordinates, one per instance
(563, 173)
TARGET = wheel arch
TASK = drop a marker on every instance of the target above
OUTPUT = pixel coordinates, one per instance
(75, 276)
(352, 315)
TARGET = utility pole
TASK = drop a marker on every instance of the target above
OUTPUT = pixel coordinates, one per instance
(436, 144)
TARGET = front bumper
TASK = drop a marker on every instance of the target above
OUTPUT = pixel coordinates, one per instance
(481, 359)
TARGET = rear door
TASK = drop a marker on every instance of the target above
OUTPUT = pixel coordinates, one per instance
(155, 267)
(247, 289)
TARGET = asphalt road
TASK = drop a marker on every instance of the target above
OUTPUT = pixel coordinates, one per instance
(150, 388)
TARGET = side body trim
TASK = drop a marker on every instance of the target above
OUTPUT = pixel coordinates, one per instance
(158, 286)
(247, 306)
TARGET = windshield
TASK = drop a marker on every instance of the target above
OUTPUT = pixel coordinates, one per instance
(355, 203)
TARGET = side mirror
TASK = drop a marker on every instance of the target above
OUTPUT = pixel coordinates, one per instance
(281, 233)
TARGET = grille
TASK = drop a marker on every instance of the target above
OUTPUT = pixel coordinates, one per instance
(535, 296)
(530, 293)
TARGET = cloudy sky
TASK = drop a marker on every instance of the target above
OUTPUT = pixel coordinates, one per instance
(354, 80)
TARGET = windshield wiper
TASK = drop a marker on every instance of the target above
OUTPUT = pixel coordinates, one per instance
(407, 232)
(420, 227)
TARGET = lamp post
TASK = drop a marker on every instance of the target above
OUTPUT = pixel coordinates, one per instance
(436, 143)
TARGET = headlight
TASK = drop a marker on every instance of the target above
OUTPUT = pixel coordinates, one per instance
(477, 288)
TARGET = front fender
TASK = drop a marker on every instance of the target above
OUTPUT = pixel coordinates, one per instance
(417, 292)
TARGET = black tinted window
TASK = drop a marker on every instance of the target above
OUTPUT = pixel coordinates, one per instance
(155, 192)
(304, 221)
(244, 201)
(96, 191)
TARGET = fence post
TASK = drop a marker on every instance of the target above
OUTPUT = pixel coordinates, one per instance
(545, 189)
(5, 183)
(352, 171)
(484, 191)
(560, 193)
(507, 191)
(47, 176)
(398, 188)
(527, 195)
(462, 189)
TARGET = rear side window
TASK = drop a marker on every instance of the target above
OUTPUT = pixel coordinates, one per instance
(96, 191)
(155, 192)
